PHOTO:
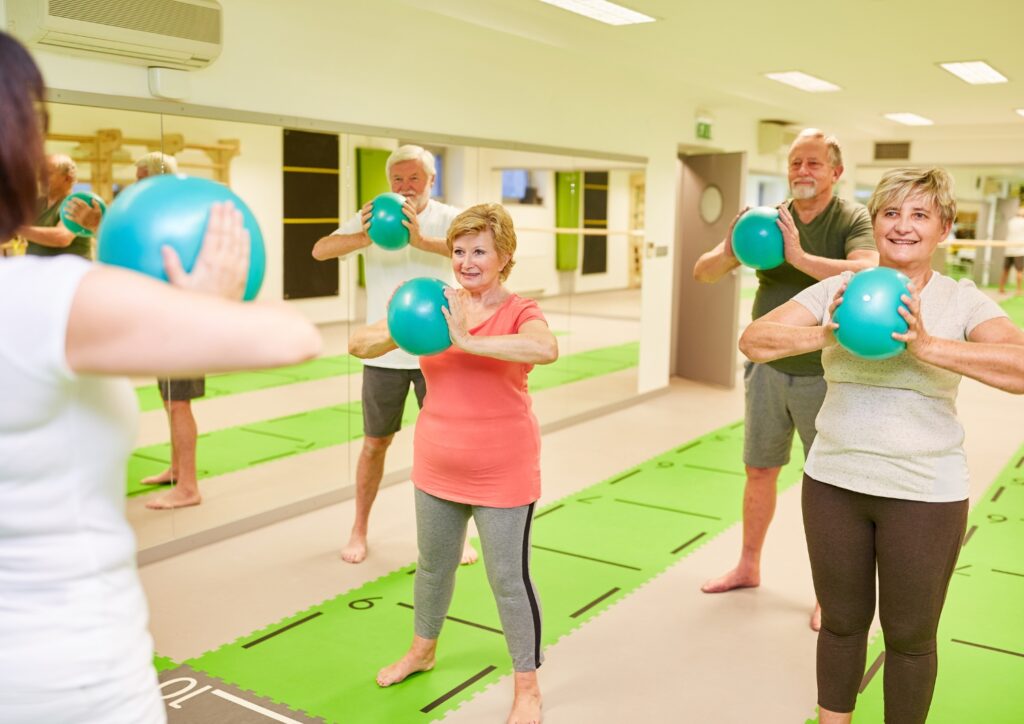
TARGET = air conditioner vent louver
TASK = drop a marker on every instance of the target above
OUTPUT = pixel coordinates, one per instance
(162, 17)
(892, 151)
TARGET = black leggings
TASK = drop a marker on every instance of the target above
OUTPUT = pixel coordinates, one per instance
(914, 546)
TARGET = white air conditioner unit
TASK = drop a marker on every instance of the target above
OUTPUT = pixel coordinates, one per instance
(774, 137)
(182, 34)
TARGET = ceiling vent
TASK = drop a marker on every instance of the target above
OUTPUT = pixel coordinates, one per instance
(892, 151)
(183, 34)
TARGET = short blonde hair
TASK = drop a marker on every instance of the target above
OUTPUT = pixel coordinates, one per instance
(157, 163)
(487, 217)
(934, 185)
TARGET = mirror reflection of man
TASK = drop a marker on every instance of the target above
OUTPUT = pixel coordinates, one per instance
(386, 380)
(48, 236)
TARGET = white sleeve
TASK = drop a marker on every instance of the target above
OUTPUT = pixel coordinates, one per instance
(353, 226)
(977, 306)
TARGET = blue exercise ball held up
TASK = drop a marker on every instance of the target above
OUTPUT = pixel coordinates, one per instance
(757, 239)
(172, 210)
(88, 198)
(415, 319)
(386, 228)
(869, 313)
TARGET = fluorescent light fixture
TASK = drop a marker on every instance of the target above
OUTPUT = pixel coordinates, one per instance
(975, 72)
(803, 81)
(606, 12)
(1020, 111)
(910, 119)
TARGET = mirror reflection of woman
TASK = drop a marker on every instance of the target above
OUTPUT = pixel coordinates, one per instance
(477, 450)
(885, 484)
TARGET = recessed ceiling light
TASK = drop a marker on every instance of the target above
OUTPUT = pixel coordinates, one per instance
(975, 72)
(803, 81)
(910, 119)
(606, 12)
(1020, 111)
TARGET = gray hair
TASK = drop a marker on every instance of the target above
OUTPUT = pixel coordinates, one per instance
(410, 152)
(157, 163)
(835, 152)
(63, 163)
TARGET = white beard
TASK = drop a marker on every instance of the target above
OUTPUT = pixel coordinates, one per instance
(804, 191)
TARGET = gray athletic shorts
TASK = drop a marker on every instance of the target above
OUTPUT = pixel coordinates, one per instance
(174, 390)
(776, 404)
(384, 393)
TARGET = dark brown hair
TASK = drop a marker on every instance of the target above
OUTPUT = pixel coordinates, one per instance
(21, 135)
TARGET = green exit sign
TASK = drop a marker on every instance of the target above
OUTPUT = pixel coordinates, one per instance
(704, 130)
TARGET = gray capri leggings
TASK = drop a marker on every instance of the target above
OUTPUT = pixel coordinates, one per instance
(505, 537)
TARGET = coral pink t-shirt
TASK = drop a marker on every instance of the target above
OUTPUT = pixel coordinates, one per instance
(477, 440)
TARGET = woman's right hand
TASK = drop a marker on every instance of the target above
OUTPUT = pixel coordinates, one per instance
(223, 262)
(88, 216)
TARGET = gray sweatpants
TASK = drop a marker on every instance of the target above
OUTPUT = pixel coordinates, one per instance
(505, 538)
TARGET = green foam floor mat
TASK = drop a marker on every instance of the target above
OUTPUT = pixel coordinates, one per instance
(590, 550)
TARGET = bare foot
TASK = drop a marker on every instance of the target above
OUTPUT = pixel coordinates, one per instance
(175, 498)
(816, 617)
(469, 555)
(167, 476)
(413, 662)
(732, 580)
(526, 706)
(355, 550)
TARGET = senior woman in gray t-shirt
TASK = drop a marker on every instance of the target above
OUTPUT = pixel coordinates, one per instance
(885, 483)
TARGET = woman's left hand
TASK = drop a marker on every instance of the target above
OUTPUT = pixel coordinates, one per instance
(916, 336)
(455, 315)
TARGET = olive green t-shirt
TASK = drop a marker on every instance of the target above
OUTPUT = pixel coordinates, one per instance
(80, 245)
(842, 227)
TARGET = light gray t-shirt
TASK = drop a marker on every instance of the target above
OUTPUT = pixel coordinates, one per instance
(888, 427)
(387, 269)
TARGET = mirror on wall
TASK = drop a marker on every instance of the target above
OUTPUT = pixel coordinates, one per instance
(275, 442)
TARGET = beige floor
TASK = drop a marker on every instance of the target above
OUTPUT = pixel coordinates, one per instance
(666, 653)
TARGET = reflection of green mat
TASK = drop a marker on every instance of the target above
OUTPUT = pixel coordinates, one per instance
(980, 639)
(235, 382)
(591, 549)
(236, 448)
(1014, 306)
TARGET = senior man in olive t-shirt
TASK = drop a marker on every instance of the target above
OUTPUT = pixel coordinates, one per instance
(823, 236)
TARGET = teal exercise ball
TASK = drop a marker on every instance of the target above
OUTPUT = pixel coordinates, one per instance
(869, 313)
(415, 319)
(172, 210)
(88, 197)
(757, 240)
(386, 230)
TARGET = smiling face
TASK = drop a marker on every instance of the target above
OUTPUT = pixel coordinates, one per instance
(906, 235)
(412, 181)
(476, 261)
(811, 172)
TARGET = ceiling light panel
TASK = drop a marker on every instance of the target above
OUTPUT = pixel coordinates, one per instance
(603, 11)
(803, 81)
(910, 119)
(975, 72)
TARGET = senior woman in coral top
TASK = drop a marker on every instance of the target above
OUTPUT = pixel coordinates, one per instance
(477, 449)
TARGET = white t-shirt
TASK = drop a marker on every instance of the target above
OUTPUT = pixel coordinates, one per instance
(888, 427)
(72, 611)
(1015, 235)
(387, 270)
